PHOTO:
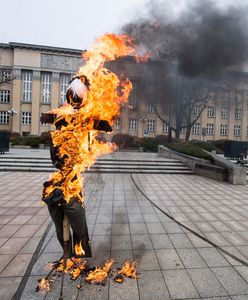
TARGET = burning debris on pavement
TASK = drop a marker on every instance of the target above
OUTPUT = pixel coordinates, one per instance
(76, 267)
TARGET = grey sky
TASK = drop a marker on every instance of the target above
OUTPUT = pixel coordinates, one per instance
(76, 23)
(64, 23)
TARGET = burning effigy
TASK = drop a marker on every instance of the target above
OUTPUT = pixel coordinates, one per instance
(94, 98)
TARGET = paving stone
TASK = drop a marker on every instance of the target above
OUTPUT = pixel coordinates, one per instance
(31, 245)
(120, 229)
(179, 284)
(13, 245)
(206, 283)
(29, 290)
(5, 259)
(8, 230)
(161, 241)
(141, 241)
(120, 218)
(191, 258)
(180, 240)
(42, 262)
(138, 228)
(102, 229)
(93, 292)
(104, 219)
(146, 259)
(172, 228)
(53, 245)
(152, 286)
(122, 242)
(151, 218)
(135, 218)
(243, 271)
(213, 257)
(22, 219)
(17, 267)
(233, 283)
(127, 290)
(197, 242)
(8, 287)
(169, 259)
(27, 231)
(5, 219)
(155, 228)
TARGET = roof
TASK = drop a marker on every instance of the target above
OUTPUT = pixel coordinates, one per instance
(13, 45)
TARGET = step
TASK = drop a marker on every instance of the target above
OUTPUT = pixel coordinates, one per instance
(141, 171)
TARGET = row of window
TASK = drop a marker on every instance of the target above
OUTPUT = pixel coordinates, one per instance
(46, 86)
(26, 118)
(209, 130)
(224, 112)
(132, 125)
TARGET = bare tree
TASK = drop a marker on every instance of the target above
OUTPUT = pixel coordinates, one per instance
(179, 97)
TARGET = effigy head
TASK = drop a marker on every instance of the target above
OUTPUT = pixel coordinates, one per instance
(78, 90)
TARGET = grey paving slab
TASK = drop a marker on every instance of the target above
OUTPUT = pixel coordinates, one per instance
(179, 278)
(169, 259)
(213, 257)
(191, 258)
(206, 283)
(152, 286)
(230, 279)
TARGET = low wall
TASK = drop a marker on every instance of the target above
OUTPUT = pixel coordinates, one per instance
(200, 166)
(236, 173)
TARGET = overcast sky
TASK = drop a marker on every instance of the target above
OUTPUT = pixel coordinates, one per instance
(64, 23)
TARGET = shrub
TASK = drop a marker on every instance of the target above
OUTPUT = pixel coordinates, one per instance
(123, 140)
(189, 149)
(208, 146)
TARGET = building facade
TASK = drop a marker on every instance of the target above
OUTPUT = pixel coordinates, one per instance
(38, 79)
(34, 80)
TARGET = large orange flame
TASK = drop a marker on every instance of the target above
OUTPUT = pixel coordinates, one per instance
(77, 141)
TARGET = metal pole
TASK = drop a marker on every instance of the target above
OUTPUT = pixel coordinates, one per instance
(66, 238)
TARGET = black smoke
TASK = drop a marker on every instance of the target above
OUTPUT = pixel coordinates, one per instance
(203, 40)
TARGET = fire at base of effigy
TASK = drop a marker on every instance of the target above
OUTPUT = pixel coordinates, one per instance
(76, 267)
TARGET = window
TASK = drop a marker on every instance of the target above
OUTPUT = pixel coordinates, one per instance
(195, 112)
(117, 123)
(211, 96)
(64, 83)
(237, 114)
(196, 128)
(46, 87)
(4, 117)
(223, 129)
(150, 125)
(211, 111)
(210, 129)
(165, 127)
(237, 130)
(133, 103)
(26, 118)
(27, 78)
(5, 96)
(151, 108)
(224, 113)
(132, 124)
(183, 128)
(5, 75)
(225, 100)
(239, 99)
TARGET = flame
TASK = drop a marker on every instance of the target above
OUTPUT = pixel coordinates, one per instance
(99, 275)
(129, 269)
(103, 102)
(44, 285)
(79, 249)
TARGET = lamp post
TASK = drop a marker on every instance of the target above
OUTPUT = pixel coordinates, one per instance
(11, 113)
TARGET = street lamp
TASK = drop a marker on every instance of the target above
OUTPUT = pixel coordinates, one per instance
(11, 113)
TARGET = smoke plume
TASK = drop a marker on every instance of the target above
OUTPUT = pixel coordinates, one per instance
(202, 39)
